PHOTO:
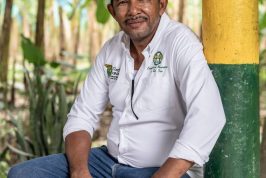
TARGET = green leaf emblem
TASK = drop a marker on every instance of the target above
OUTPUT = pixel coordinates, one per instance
(109, 69)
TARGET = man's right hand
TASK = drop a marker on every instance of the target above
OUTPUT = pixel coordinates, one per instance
(78, 146)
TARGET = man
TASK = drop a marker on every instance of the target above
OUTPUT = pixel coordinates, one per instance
(167, 112)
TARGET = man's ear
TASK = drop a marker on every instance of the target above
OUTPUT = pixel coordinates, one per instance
(111, 10)
(163, 5)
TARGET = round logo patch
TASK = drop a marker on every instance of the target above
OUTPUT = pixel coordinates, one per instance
(157, 58)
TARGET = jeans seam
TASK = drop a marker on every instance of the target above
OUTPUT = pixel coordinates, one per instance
(114, 167)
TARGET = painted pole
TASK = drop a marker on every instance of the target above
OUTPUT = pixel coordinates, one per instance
(231, 46)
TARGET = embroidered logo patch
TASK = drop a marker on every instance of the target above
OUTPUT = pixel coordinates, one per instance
(112, 72)
(157, 63)
(157, 58)
(109, 69)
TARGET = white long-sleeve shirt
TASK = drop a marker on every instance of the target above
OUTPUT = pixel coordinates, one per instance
(176, 110)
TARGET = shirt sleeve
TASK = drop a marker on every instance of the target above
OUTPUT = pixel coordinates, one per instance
(205, 116)
(85, 112)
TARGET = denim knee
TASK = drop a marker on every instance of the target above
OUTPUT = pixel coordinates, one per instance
(25, 171)
(52, 166)
(16, 172)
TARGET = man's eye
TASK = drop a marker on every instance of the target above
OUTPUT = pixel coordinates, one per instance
(122, 2)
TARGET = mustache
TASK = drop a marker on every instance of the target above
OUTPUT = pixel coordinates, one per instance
(135, 19)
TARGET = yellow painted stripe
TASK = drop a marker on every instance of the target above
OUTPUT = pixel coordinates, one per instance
(230, 31)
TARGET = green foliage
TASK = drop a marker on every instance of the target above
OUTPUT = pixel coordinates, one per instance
(170, 5)
(3, 169)
(262, 69)
(262, 22)
(74, 8)
(48, 107)
(32, 53)
(102, 14)
(262, 33)
(263, 54)
(85, 4)
(261, 1)
(48, 113)
(6, 132)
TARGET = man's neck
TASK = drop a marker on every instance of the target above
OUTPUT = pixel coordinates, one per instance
(139, 46)
(137, 55)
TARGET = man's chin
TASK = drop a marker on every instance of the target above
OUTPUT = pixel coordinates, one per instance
(137, 35)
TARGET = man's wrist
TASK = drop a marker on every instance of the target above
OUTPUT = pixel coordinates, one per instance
(78, 169)
(178, 166)
(173, 168)
(84, 173)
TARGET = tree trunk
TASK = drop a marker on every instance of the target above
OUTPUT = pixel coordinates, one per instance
(181, 11)
(25, 25)
(263, 152)
(77, 39)
(4, 49)
(27, 33)
(13, 88)
(90, 34)
(62, 38)
(94, 44)
(50, 37)
(39, 36)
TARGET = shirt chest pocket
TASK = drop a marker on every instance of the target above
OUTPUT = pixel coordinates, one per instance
(157, 94)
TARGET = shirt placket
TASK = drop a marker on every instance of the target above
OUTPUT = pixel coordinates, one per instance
(123, 145)
(141, 77)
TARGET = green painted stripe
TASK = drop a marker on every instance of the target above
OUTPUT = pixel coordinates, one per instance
(236, 154)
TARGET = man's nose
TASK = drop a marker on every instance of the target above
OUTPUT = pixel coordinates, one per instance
(133, 8)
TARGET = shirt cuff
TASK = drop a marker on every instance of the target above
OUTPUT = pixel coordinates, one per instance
(71, 127)
(186, 152)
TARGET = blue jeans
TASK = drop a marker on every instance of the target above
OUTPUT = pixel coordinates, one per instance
(101, 165)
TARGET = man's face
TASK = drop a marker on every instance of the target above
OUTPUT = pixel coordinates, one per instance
(138, 18)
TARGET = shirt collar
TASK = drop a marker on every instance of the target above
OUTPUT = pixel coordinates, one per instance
(162, 26)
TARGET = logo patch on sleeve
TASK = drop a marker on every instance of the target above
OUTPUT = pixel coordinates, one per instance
(112, 72)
